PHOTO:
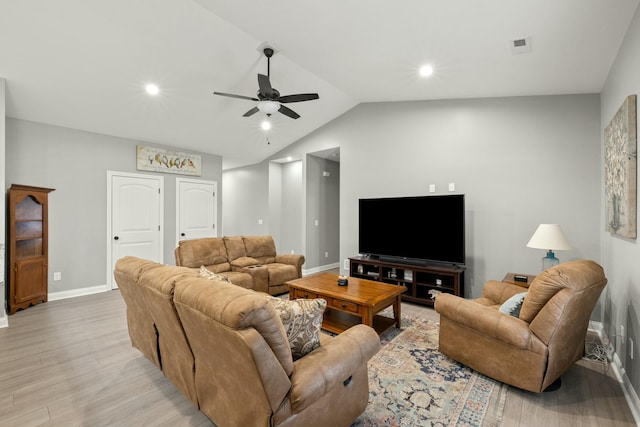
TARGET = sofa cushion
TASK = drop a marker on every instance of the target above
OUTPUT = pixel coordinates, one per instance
(219, 268)
(513, 305)
(302, 319)
(245, 261)
(260, 246)
(207, 251)
(244, 280)
(203, 272)
(235, 247)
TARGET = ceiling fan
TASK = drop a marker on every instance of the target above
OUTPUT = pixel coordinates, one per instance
(268, 98)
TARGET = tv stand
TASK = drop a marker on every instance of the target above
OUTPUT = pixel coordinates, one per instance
(422, 281)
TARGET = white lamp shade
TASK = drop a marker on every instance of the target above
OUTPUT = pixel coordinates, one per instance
(268, 107)
(549, 237)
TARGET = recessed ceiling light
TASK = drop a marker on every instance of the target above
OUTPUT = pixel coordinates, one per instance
(426, 70)
(152, 89)
(265, 125)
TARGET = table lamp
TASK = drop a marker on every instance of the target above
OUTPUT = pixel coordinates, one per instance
(549, 237)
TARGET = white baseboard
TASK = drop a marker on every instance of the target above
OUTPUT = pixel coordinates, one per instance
(4, 320)
(314, 270)
(54, 296)
(630, 394)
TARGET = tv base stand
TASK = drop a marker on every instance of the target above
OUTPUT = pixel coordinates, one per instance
(423, 282)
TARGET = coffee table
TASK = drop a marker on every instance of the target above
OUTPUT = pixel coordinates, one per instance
(359, 302)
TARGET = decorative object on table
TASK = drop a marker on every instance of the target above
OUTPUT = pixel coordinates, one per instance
(360, 269)
(342, 281)
(551, 238)
(393, 274)
(620, 165)
(154, 159)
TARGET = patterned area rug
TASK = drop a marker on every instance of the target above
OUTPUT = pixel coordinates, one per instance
(412, 384)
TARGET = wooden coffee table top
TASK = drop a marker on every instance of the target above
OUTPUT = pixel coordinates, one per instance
(360, 291)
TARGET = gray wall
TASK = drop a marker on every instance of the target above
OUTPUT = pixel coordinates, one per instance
(520, 161)
(291, 212)
(621, 256)
(322, 204)
(75, 163)
(246, 199)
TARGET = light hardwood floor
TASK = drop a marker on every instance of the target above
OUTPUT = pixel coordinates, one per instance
(70, 363)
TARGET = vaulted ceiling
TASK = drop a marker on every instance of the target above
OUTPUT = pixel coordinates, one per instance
(83, 64)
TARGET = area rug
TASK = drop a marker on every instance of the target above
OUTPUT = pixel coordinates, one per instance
(412, 384)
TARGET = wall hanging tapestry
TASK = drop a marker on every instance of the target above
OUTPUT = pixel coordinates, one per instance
(160, 160)
(620, 138)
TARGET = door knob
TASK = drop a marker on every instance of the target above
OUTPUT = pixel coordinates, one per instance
(116, 238)
(182, 234)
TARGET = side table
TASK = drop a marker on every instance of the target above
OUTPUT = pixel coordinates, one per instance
(509, 278)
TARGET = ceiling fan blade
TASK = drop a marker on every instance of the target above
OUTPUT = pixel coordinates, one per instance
(298, 97)
(251, 112)
(288, 112)
(265, 86)
(236, 96)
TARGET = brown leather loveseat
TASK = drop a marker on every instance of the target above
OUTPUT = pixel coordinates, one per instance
(248, 261)
(534, 349)
(226, 349)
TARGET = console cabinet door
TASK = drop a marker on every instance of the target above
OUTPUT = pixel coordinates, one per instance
(31, 278)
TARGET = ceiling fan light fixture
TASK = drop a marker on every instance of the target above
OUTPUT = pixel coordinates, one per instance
(265, 125)
(268, 107)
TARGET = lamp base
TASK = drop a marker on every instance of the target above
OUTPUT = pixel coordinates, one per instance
(549, 261)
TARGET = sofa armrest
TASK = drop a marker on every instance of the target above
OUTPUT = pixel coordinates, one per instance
(331, 364)
(490, 322)
(292, 259)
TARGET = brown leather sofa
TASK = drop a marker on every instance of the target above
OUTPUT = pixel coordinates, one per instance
(226, 349)
(248, 261)
(533, 350)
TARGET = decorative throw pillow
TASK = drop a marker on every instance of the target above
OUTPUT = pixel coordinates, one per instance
(513, 305)
(211, 275)
(302, 319)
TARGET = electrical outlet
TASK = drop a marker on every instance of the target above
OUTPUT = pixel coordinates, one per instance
(345, 264)
(57, 275)
(326, 254)
(432, 188)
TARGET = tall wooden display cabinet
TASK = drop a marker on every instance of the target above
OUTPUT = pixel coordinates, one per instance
(28, 243)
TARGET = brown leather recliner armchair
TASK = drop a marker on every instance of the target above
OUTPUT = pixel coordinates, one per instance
(533, 350)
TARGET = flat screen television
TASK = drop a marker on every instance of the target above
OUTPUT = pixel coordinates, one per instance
(417, 230)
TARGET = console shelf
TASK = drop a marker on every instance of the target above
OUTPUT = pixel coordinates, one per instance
(420, 280)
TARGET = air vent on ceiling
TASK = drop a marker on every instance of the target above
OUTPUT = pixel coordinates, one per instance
(521, 45)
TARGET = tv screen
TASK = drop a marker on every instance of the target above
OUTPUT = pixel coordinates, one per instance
(427, 228)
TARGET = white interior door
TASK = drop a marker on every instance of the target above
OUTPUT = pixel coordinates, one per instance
(196, 209)
(136, 217)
